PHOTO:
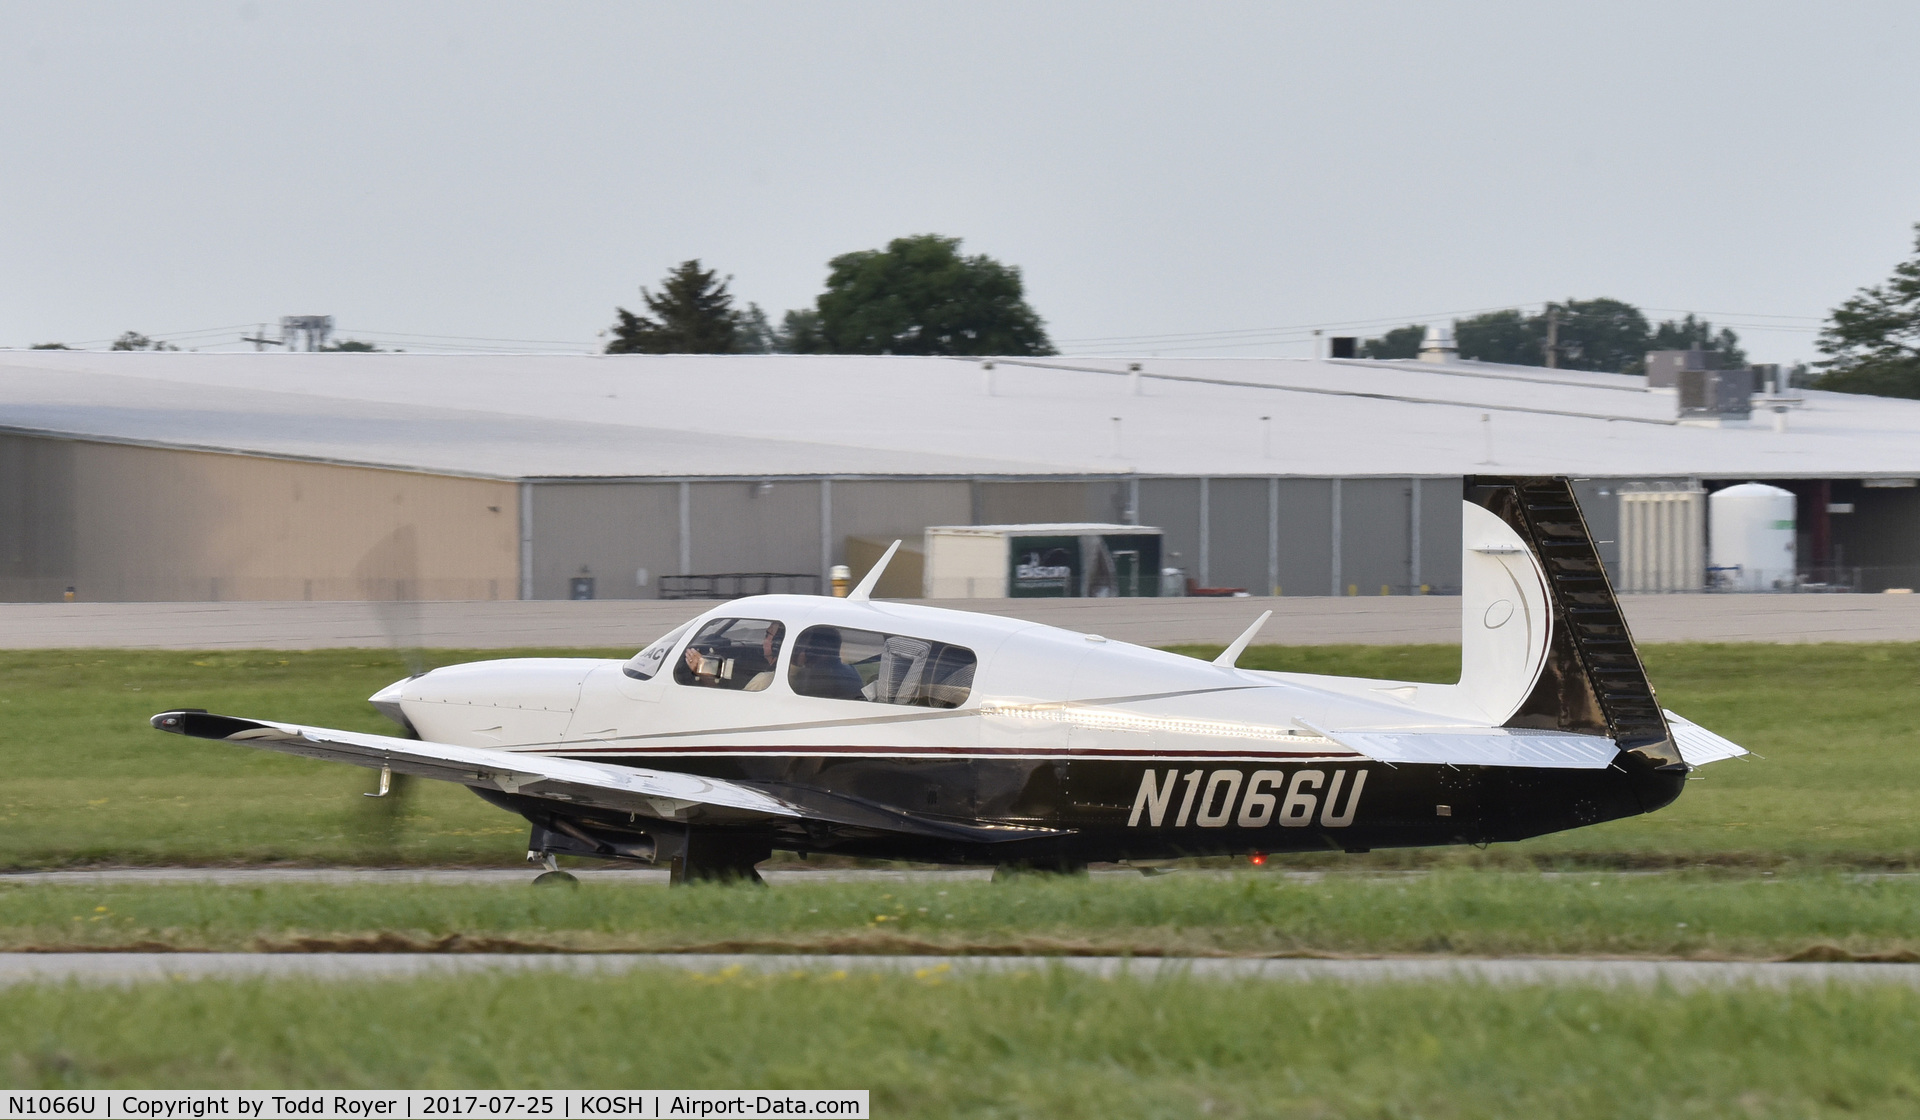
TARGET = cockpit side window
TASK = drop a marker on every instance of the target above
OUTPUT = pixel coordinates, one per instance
(737, 654)
(643, 665)
(837, 663)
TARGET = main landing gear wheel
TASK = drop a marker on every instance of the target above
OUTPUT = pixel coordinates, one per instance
(552, 876)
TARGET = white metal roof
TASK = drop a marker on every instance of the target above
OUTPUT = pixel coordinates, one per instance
(675, 416)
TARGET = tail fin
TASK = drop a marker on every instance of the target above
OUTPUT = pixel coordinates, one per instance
(1588, 676)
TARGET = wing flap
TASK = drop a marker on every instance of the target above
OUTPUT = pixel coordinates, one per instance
(653, 793)
(1698, 746)
(1479, 746)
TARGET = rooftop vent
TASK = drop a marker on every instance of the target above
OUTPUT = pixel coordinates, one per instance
(1715, 396)
(1438, 345)
(1664, 366)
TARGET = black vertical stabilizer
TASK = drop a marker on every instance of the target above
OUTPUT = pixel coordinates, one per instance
(1593, 682)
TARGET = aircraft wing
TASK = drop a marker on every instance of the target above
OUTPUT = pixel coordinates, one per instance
(662, 794)
(653, 793)
(1478, 746)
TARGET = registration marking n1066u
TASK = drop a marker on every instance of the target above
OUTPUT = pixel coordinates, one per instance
(1263, 798)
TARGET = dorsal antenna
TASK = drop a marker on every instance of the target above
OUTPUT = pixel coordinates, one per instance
(865, 590)
(1232, 653)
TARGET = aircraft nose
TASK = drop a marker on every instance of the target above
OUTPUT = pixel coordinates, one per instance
(387, 701)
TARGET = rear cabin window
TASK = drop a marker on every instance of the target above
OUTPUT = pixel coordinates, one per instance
(842, 664)
(732, 653)
(643, 665)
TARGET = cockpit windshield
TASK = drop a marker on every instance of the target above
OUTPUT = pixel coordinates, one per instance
(643, 665)
(732, 653)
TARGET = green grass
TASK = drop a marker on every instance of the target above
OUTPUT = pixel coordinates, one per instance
(87, 781)
(1491, 913)
(1042, 1044)
(1837, 726)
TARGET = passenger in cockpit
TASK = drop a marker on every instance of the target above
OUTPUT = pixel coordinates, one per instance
(818, 670)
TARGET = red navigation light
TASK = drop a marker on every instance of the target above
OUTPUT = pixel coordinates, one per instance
(1258, 859)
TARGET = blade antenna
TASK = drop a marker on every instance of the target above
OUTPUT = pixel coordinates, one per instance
(865, 590)
(1232, 653)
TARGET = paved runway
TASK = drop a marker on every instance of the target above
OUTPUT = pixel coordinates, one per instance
(125, 968)
(629, 624)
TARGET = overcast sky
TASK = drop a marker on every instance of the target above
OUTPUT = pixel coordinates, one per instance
(492, 170)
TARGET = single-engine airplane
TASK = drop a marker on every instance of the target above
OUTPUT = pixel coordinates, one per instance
(817, 724)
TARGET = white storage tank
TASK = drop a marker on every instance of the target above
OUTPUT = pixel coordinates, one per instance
(1750, 527)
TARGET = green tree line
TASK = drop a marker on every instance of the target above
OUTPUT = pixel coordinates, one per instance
(919, 295)
(1600, 335)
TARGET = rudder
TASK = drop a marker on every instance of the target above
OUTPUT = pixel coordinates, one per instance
(1592, 680)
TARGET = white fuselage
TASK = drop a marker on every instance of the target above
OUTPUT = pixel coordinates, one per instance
(1037, 691)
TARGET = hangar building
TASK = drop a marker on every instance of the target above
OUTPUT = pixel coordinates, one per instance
(184, 476)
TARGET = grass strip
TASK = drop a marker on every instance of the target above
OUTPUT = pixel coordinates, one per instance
(1693, 915)
(88, 781)
(1040, 1043)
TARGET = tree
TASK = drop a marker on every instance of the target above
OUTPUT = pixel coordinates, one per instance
(134, 340)
(1872, 341)
(693, 314)
(920, 296)
(753, 333)
(49, 346)
(1501, 336)
(1400, 343)
(799, 333)
(1688, 333)
(350, 346)
(1601, 335)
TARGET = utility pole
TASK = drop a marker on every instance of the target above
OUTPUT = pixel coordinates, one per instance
(1553, 336)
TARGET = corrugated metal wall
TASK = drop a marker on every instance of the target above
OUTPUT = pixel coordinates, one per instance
(129, 523)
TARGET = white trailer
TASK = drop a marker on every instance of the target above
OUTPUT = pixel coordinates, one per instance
(1052, 561)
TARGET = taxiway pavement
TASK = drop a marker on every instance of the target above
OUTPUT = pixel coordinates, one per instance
(629, 624)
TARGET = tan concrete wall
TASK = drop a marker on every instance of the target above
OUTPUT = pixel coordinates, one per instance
(132, 524)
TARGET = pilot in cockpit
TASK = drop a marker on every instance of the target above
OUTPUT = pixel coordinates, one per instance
(734, 653)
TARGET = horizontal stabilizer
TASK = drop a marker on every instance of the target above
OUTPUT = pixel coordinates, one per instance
(1698, 745)
(1480, 746)
(652, 793)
